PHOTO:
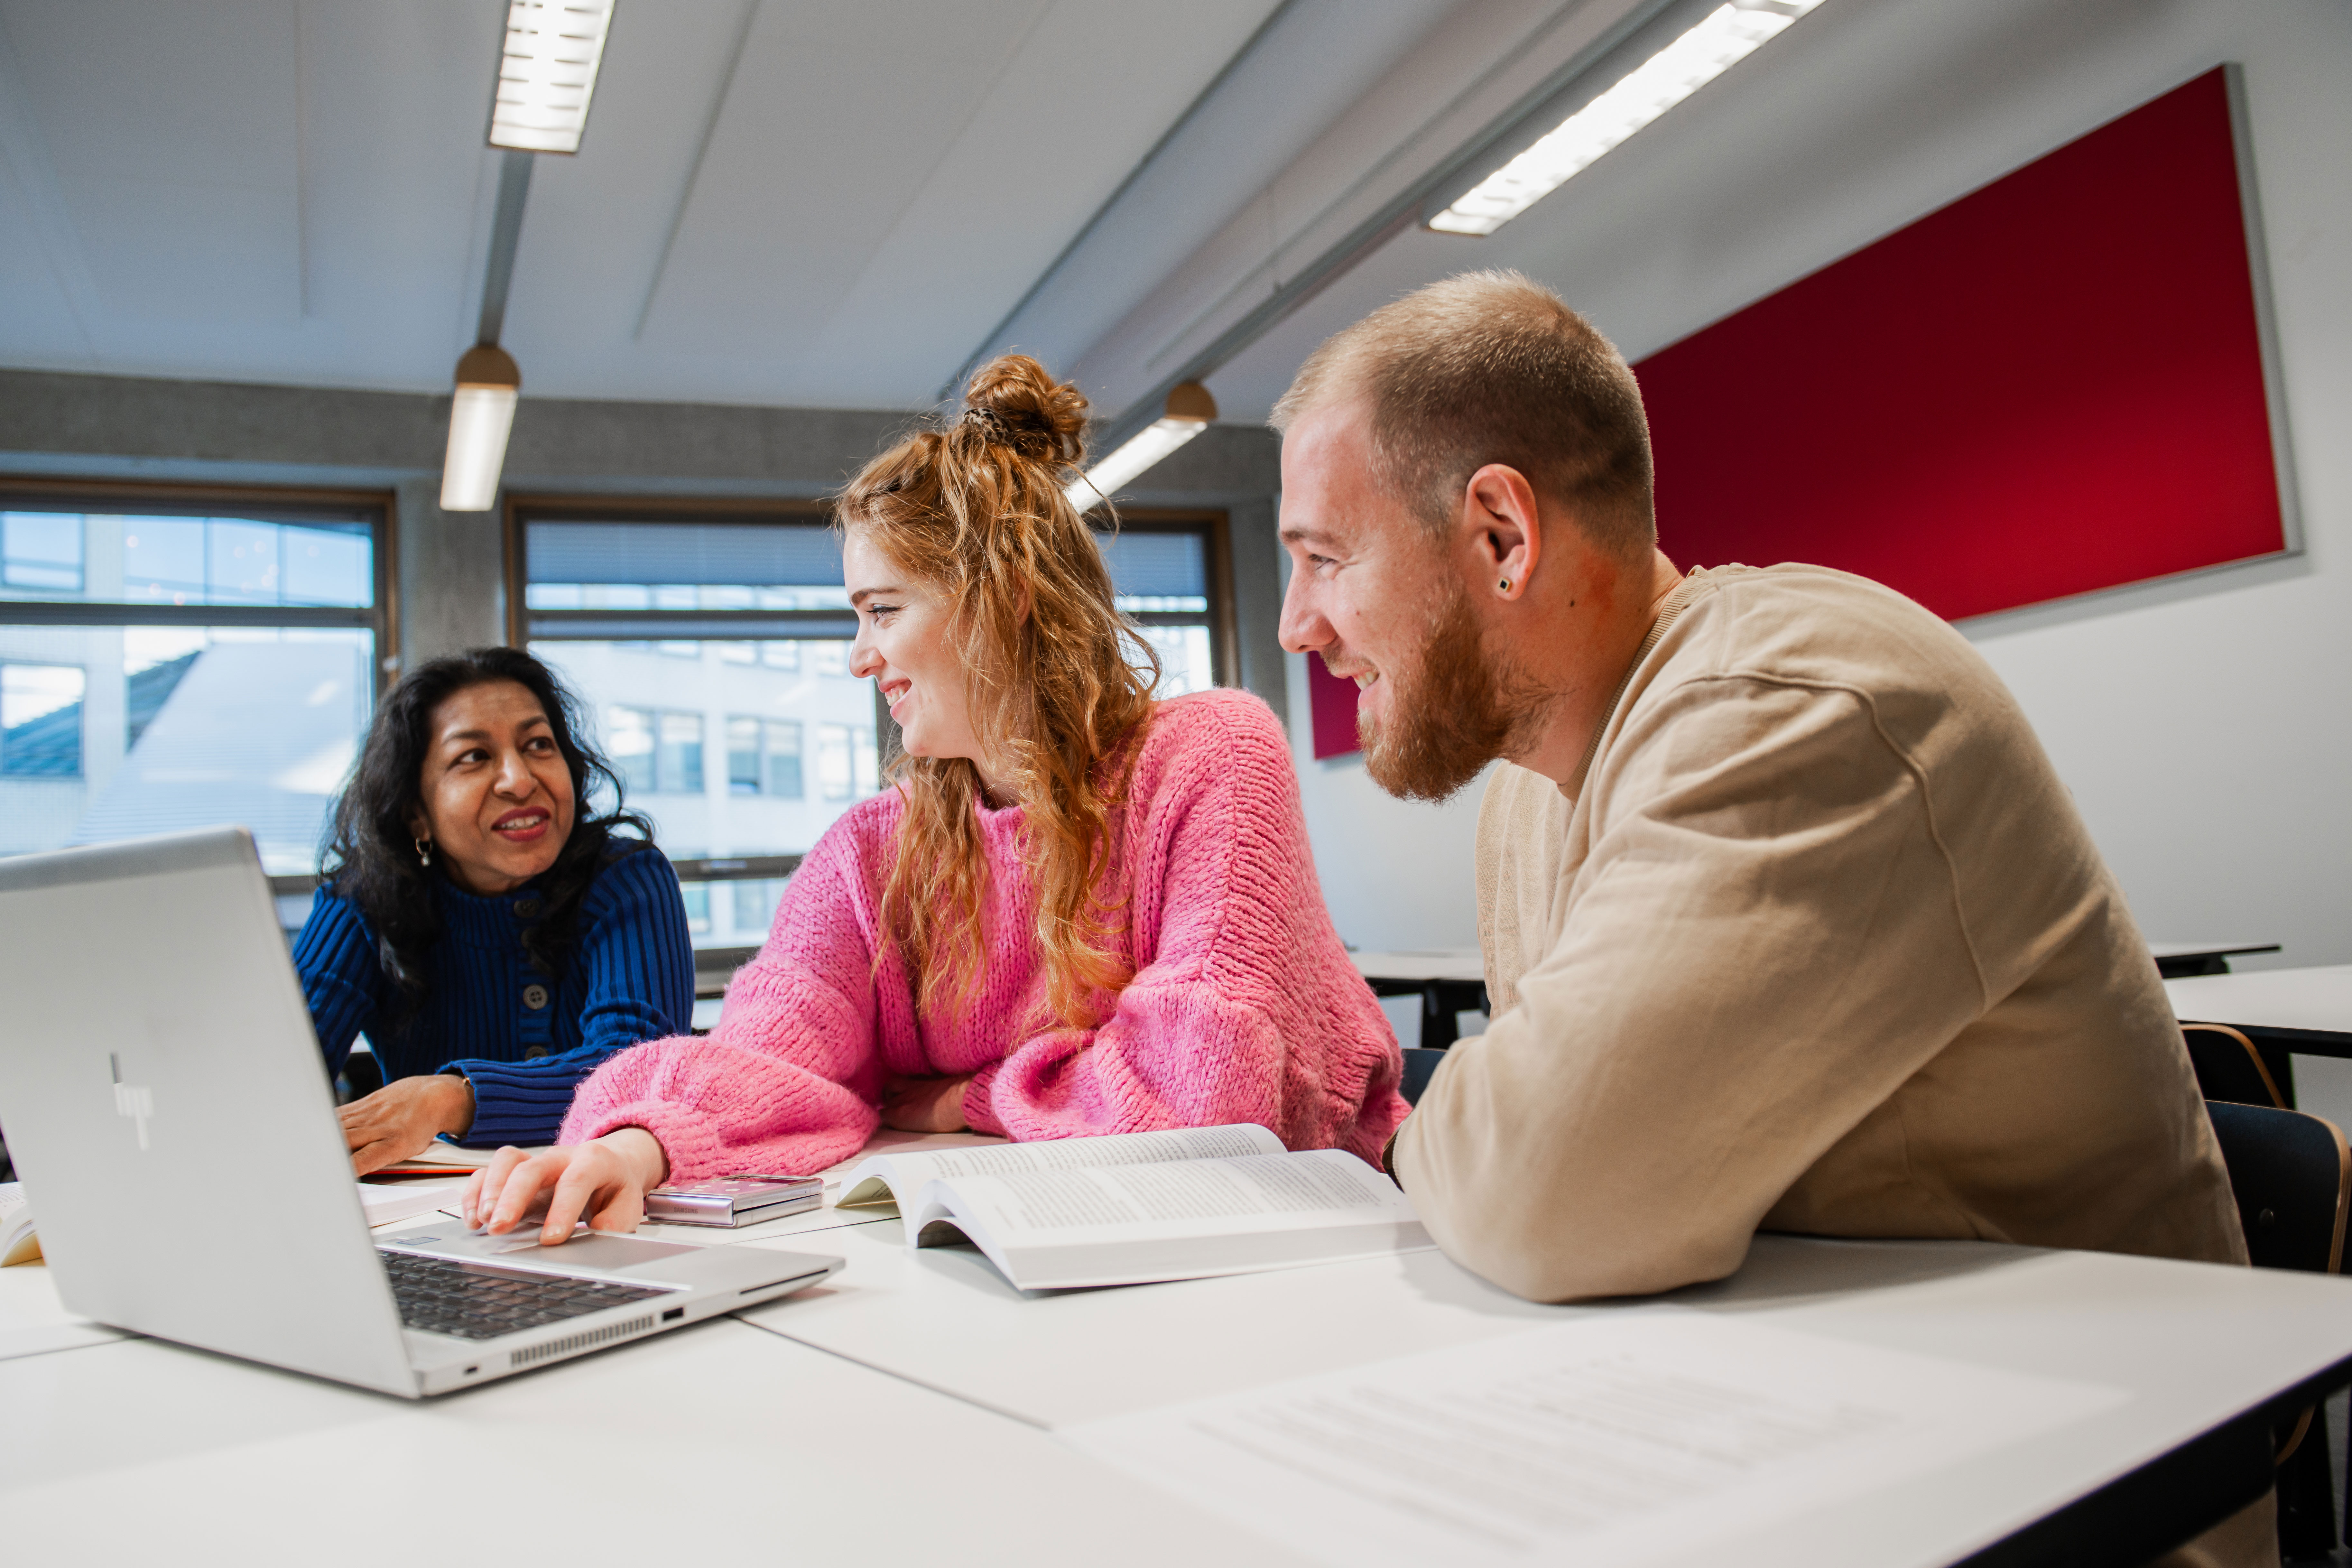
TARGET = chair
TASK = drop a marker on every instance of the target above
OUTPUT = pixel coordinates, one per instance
(2292, 1176)
(1418, 1065)
(2229, 1066)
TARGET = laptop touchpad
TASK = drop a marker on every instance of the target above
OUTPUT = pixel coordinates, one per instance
(602, 1253)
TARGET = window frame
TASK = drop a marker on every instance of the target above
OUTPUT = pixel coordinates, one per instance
(1212, 523)
(379, 508)
(1215, 527)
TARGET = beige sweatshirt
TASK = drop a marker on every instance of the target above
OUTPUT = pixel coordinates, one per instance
(1816, 942)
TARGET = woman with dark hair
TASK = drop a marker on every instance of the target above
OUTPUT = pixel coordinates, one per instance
(495, 940)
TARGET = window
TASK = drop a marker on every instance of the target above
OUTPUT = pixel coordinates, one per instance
(763, 757)
(629, 747)
(41, 551)
(678, 756)
(727, 624)
(654, 753)
(173, 658)
(1167, 572)
(755, 905)
(836, 774)
(40, 720)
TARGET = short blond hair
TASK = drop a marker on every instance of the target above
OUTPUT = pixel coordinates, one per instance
(1492, 368)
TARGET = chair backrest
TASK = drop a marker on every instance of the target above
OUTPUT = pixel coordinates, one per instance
(2292, 1176)
(2231, 1066)
(1418, 1066)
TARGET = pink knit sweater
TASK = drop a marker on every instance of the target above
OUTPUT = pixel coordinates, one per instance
(1244, 1007)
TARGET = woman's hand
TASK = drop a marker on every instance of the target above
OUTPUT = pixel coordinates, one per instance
(404, 1116)
(925, 1104)
(606, 1179)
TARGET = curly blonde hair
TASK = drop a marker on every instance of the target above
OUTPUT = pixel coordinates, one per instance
(1060, 685)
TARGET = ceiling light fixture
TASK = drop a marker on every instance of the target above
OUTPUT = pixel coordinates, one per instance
(1720, 40)
(1187, 412)
(488, 386)
(488, 381)
(548, 73)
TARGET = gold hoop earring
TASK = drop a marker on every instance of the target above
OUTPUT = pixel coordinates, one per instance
(425, 852)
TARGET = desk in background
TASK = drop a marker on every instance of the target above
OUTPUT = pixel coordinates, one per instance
(1448, 979)
(1453, 980)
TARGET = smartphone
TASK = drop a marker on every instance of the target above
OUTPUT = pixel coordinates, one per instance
(744, 1198)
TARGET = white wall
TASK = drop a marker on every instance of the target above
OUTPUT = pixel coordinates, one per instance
(2204, 725)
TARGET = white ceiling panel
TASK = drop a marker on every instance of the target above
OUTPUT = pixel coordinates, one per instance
(172, 133)
(1066, 121)
(809, 202)
(396, 103)
(828, 131)
(35, 310)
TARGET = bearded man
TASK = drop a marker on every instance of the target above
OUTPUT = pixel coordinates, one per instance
(1789, 923)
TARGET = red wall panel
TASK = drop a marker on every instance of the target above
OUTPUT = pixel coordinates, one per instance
(2053, 385)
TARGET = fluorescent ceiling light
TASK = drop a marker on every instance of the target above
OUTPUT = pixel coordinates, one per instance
(1722, 39)
(1188, 412)
(548, 73)
(489, 384)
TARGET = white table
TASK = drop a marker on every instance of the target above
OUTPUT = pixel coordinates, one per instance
(2183, 959)
(2307, 1010)
(1448, 979)
(907, 1410)
(714, 1444)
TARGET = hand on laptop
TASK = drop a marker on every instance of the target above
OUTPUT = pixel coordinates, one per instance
(404, 1116)
(603, 1181)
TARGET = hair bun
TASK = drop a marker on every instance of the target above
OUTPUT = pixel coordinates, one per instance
(1013, 400)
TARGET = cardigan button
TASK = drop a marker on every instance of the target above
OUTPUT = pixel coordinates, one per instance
(534, 998)
(527, 907)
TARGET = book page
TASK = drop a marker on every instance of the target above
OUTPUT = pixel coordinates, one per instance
(19, 1243)
(1617, 1437)
(876, 1178)
(1256, 1191)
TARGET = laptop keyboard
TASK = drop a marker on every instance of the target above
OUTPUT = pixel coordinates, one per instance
(481, 1302)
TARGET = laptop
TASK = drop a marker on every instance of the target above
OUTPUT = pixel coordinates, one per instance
(151, 1017)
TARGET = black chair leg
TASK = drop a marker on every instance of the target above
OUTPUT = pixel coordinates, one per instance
(2306, 1494)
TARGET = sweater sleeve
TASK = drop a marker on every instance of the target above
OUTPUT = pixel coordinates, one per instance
(1244, 1007)
(1766, 943)
(790, 1079)
(335, 957)
(637, 961)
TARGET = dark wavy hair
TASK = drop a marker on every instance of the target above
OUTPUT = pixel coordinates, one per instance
(370, 854)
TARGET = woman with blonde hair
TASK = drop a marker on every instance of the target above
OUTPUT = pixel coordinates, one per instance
(1076, 911)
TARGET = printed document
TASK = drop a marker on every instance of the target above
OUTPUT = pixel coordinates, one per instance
(1616, 1437)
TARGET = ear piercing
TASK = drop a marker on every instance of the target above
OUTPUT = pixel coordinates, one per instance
(1503, 586)
(425, 852)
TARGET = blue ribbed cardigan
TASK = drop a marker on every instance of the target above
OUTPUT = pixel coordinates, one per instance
(629, 977)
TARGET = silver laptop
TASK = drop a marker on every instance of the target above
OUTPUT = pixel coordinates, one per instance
(168, 1108)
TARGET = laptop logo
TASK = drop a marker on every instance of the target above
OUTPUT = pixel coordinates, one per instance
(133, 1099)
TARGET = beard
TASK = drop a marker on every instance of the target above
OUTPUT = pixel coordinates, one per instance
(1452, 709)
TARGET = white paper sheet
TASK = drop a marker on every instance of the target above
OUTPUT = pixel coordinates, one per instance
(1617, 1438)
(390, 1203)
(1259, 1192)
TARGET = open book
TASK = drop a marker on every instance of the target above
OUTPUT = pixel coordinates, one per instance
(19, 1242)
(1141, 1206)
